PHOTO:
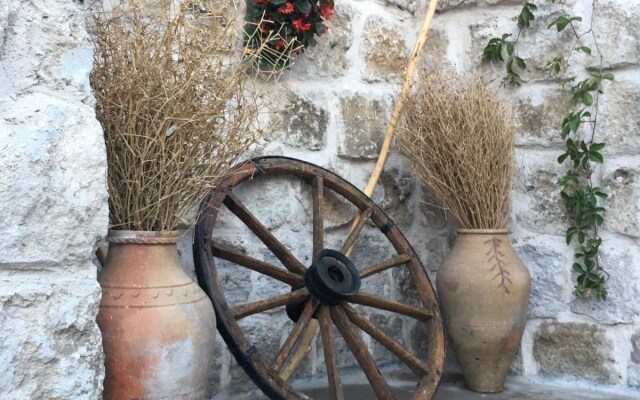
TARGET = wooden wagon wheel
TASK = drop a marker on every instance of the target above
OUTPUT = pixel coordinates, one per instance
(324, 290)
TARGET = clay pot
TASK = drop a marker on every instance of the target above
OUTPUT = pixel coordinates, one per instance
(484, 292)
(158, 326)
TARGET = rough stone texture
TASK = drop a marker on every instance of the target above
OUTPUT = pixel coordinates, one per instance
(53, 204)
(574, 349)
(406, 5)
(385, 51)
(538, 114)
(536, 199)
(445, 5)
(620, 115)
(434, 53)
(549, 275)
(538, 45)
(364, 127)
(618, 24)
(634, 366)
(329, 58)
(304, 124)
(622, 184)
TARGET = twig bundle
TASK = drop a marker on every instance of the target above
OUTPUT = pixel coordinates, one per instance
(459, 138)
(177, 107)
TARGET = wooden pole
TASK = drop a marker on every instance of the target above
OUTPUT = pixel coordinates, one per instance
(305, 346)
(395, 115)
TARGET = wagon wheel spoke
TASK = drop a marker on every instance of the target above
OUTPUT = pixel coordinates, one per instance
(417, 366)
(330, 357)
(318, 215)
(362, 355)
(279, 250)
(253, 264)
(304, 348)
(384, 265)
(353, 235)
(303, 321)
(244, 310)
(365, 299)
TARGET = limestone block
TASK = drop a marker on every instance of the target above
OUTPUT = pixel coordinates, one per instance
(634, 365)
(304, 123)
(538, 113)
(365, 121)
(536, 203)
(406, 5)
(384, 51)
(51, 347)
(620, 258)
(617, 23)
(574, 349)
(546, 259)
(619, 116)
(434, 53)
(537, 46)
(329, 58)
(622, 183)
(53, 204)
(446, 5)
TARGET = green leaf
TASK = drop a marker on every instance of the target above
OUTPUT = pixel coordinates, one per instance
(278, 2)
(608, 75)
(587, 98)
(562, 158)
(520, 63)
(596, 157)
(303, 5)
(560, 23)
(584, 49)
(597, 146)
(578, 268)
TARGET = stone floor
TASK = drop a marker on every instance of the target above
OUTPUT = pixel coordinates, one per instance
(452, 388)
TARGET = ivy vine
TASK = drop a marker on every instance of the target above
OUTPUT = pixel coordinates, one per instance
(581, 197)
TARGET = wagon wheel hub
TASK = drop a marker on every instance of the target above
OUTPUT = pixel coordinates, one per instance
(333, 278)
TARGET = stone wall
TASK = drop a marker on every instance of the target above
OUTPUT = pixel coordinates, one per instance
(53, 204)
(53, 199)
(341, 94)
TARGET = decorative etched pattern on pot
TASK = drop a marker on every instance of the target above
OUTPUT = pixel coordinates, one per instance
(161, 296)
(497, 257)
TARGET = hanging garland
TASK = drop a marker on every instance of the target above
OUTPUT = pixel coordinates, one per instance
(281, 28)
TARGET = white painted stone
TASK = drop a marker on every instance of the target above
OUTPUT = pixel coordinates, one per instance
(546, 258)
(53, 204)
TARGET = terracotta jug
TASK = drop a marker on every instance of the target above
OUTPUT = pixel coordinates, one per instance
(484, 293)
(158, 326)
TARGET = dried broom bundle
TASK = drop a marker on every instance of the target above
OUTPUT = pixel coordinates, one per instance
(177, 106)
(459, 138)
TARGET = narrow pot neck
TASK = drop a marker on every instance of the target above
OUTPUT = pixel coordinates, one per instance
(143, 237)
(483, 231)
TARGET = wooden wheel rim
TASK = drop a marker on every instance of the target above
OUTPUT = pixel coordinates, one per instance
(244, 351)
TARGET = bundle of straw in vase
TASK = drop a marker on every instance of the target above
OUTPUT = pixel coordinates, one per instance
(459, 138)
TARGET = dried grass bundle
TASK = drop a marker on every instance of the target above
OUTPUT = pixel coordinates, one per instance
(459, 138)
(177, 106)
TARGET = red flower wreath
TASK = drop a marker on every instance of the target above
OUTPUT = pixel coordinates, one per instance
(293, 25)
